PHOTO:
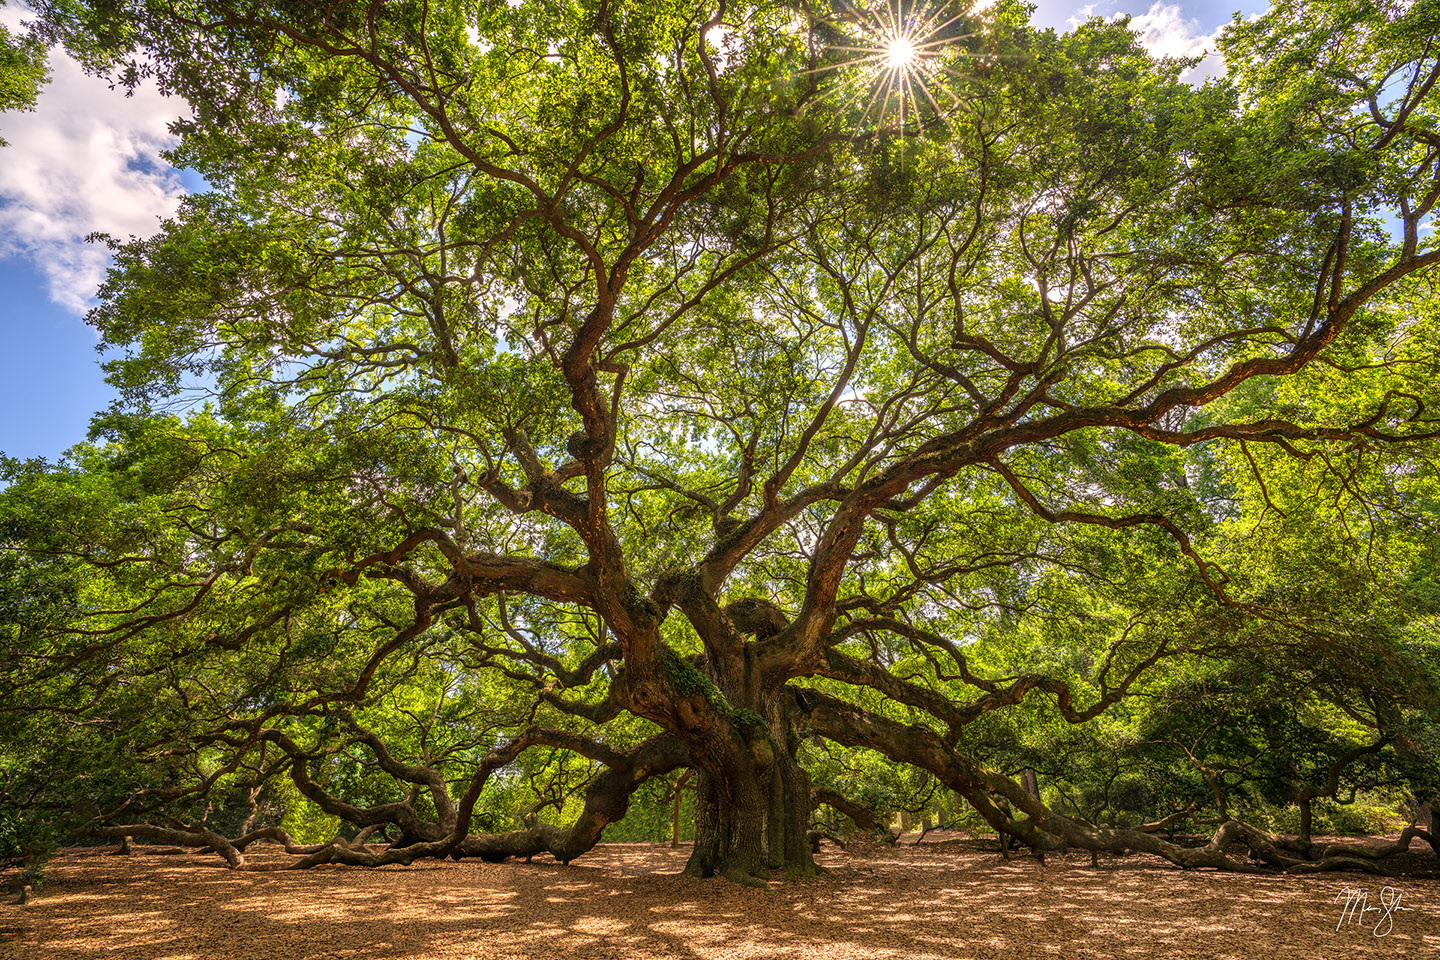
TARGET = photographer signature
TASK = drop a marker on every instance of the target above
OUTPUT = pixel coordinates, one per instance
(1357, 907)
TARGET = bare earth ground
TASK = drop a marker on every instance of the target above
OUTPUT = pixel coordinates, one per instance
(949, 897)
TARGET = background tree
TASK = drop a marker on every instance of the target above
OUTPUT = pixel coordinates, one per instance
(22, 70)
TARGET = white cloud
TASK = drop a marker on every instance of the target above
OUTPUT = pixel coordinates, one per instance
(1167, 32)
(85, 160)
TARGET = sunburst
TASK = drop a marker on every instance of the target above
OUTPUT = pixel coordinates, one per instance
(899, 53)
(894, 56)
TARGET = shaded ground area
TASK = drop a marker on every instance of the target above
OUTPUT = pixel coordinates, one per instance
(946, 898)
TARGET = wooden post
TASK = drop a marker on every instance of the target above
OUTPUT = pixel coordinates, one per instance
(675, 824)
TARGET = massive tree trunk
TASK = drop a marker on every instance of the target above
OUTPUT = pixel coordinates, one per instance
(752, 799)
(729, 826)
(752, 803)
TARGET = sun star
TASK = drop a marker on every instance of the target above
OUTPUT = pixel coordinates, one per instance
(899, 53)
(894, 59)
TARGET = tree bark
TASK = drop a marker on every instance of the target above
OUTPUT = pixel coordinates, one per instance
(752, 800)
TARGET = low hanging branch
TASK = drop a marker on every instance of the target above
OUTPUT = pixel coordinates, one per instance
(1045, 829)
(860, 815)
(606, 801)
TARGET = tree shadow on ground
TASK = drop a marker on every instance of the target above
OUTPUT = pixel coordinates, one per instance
(626, 901)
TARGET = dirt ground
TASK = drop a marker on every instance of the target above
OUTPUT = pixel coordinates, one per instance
(949, 897)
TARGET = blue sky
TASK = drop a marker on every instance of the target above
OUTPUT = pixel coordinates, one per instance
(87, 160)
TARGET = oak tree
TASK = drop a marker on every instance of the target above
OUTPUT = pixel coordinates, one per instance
(677, 385)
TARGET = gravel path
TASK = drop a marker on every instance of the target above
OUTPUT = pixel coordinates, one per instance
(624, 901)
